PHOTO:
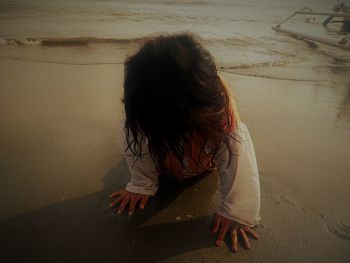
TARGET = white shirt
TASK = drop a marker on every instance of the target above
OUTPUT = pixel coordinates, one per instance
(239, 182)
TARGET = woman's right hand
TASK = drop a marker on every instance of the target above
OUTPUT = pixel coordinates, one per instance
(126, 198)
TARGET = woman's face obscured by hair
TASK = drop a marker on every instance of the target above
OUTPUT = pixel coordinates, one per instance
(172, 91)
(167, 81)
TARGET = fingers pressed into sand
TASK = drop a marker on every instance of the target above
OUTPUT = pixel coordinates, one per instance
(251, 232)
(116, 201)
(117, 193)
(216, 226)
(123, 205)
(234, 239)
(143, 202)
(244, 238)
(133, 203)
(223, 231)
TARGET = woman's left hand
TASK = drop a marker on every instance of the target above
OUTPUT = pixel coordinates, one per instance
(226, 225)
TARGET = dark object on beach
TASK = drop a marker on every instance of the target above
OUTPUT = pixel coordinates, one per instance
(340, 8)
(343, 43)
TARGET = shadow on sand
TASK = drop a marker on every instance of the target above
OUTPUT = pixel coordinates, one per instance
(86, 230)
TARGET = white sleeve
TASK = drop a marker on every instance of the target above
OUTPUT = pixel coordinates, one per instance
(144, 175)
(239, 182)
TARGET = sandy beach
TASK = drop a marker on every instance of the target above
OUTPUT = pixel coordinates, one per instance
(60, 159)
(61, 110)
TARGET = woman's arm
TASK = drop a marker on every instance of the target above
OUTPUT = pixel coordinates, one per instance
(239, 182)
(144, 178)
(239, 189)
(144, 175)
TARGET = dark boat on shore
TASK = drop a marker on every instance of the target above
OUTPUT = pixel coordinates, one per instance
(340, 11)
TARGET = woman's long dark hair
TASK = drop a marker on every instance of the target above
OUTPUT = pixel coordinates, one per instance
(171, 92)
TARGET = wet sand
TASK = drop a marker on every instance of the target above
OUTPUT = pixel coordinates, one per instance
(60, 158)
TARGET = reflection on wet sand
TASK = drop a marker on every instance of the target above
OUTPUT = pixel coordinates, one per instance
(343, 117)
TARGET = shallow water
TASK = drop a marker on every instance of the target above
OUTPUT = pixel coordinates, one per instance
(238, 33)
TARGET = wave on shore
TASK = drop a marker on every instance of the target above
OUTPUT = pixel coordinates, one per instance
(86, 40)
(66, 41)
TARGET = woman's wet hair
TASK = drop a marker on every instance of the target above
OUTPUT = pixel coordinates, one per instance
(172, 92)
